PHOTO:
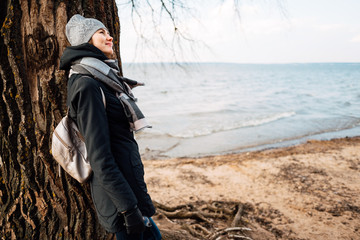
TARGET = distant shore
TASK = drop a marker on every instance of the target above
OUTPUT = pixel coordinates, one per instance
(308, 191)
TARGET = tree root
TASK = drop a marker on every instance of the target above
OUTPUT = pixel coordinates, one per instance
(237, 218)
(207, 220)
(168, 208)
(218, 235)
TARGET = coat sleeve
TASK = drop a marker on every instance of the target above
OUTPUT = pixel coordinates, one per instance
(86, 100)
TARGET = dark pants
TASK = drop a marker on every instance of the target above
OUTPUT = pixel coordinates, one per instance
(151, 233)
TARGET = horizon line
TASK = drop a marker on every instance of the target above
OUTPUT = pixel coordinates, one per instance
(253, 63)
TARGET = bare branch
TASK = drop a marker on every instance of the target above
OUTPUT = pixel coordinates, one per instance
(151, 20)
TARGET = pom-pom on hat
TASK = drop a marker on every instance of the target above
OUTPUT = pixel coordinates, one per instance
(79, 29)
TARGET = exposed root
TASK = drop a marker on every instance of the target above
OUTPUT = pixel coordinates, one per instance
(237, 218)
(227, 231)
(168, 208)
(207, 220)
(184, 215)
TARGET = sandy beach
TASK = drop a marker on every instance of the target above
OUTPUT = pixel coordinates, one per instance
(307, 191)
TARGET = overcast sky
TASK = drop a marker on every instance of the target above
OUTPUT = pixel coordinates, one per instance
(294, 31)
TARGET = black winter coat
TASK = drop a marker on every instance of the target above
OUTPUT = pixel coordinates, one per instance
(118, 182)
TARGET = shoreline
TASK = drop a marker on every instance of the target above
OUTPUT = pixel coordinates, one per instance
(163, 147)
(306, 191)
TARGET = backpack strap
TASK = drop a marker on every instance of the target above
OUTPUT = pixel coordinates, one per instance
(103, 97)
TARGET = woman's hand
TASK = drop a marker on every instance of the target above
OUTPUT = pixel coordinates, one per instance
(134, 221)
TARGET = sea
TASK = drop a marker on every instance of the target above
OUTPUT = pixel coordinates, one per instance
(201, 109)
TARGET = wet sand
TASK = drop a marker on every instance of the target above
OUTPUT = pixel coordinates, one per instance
(308, 191)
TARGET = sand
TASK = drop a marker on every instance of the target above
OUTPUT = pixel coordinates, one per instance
(308, 191)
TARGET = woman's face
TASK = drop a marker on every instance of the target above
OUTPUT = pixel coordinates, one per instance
(103, 41)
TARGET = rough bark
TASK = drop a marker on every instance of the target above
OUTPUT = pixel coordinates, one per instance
(35, 201)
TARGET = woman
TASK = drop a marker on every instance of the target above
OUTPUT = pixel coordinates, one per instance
(102, 105)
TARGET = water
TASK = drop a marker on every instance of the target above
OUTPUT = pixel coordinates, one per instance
(203, 109)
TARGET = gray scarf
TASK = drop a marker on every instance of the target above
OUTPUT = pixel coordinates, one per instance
(108, 73)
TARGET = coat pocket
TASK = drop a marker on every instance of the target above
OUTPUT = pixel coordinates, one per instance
(103, 204)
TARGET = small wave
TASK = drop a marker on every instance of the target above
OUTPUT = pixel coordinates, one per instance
(271, 118)
(214, 127)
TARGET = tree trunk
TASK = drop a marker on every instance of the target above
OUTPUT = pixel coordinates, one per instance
(36, 202)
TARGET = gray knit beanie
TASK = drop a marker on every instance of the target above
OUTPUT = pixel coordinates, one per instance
(80, 30)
